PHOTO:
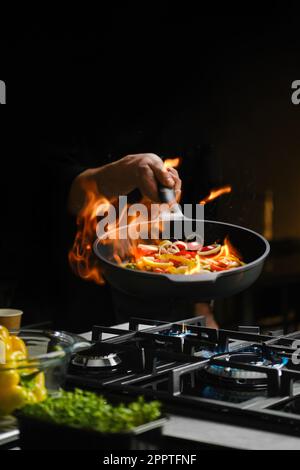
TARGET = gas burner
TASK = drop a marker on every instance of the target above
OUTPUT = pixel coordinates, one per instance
(204, 353)
(185, 337)
(175, 331)
(231, 396)
(88, 360)
(100, 355)
(239, 376)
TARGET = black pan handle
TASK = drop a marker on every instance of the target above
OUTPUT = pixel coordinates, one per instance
(166, 195)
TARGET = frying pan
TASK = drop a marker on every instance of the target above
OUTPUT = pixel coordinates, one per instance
(197, 287)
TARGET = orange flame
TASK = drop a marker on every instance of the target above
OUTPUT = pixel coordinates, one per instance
(81, 257)
(215, 193)
(230, 250)
(172, 162)
(227, 250)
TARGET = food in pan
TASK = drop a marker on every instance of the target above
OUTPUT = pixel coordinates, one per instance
(184, 258)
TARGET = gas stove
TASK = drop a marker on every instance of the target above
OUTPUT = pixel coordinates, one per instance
(242, 377)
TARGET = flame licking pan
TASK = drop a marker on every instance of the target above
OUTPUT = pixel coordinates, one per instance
(252, 246)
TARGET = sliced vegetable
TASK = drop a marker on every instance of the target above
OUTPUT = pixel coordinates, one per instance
(209, 250)
(183, 258)
(181, 245)
(19, 383)
(12, 399)
(145, 250)
(155, 263)
(18, 344)
(194, 246)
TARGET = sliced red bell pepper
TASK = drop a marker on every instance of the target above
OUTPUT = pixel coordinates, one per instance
(142, 252)
(194, 246)
(208, 248)
(176, 263)
(188, 254)
(181, 246)
(214, 267)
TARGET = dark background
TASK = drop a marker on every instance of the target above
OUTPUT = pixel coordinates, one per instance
(215, 89)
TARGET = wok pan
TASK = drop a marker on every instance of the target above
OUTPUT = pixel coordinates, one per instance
(197, 287)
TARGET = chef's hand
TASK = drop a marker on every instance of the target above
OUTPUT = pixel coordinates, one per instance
(141, 171)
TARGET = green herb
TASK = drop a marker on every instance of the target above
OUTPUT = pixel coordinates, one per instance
(130, 266)
(87, 410)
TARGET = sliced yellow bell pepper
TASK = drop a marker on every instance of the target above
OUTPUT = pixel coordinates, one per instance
(2, 352)
(39, 390)
(179, 270)
(8, 379)
(17, 360)
(17, 356)
(40, 379)
(155, 264)
(4, 333)
(8, 347)
(17, 344)
(16, 398)
(179, 258)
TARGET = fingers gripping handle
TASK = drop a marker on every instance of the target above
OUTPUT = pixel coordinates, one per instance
(166, 195)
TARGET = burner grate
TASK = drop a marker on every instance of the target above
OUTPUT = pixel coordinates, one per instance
(223, 373)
